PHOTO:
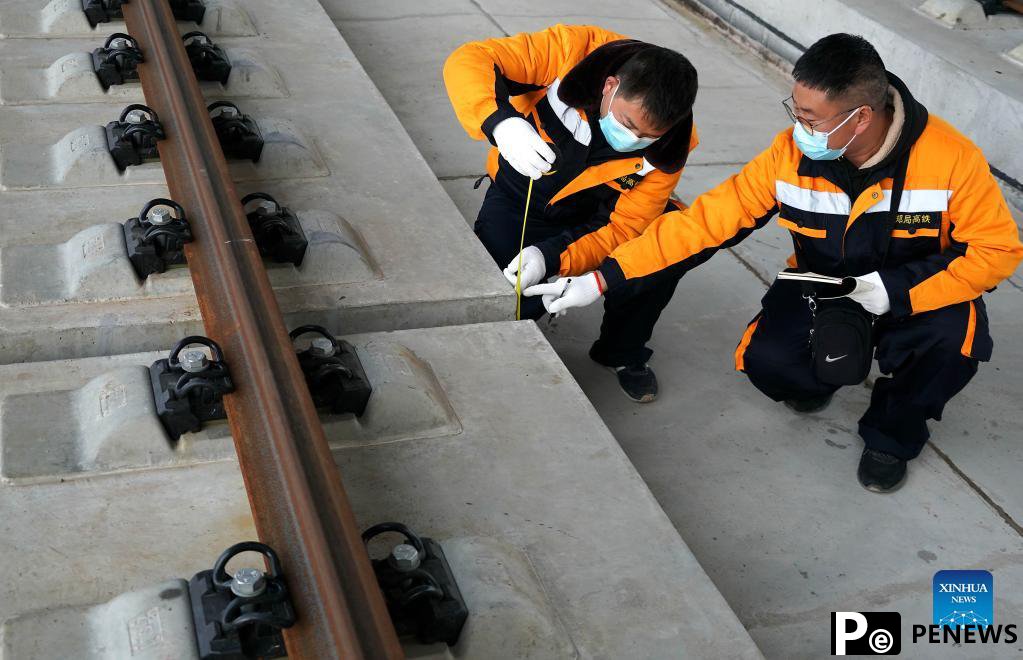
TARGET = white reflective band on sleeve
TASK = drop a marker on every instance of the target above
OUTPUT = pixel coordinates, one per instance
(812, 200)
(915, 201)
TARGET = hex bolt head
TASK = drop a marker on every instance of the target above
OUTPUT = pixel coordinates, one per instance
(405, 557)
(248, 582)
(120, 43)
(228, 111)
(160, 216)
(265, 207)
(321, 346)
(193, 361)
(136, 117)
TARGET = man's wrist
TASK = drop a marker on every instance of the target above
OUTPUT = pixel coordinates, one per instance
(611, 274)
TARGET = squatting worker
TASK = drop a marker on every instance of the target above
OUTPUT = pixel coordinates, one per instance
(620, 114)
(829, 177)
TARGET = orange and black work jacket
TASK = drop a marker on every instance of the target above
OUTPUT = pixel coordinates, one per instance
(953, 237)
(554, 79)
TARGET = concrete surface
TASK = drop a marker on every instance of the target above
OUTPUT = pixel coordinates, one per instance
(64, 18)
(33, 74)
(373, 209)
(564, 551)
(111, 424)
(152, 623)
(767, 500)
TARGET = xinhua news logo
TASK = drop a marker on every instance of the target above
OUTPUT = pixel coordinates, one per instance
(964, 611)
(866, 633)
(964, 598)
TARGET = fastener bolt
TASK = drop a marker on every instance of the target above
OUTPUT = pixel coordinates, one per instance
(405, 557)
(136, 117)
(321, 346)
(265, 207)
(193, 361)
(161, 215)
(248, 582)
(120, 43)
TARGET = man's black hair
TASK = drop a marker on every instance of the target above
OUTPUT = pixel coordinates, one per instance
(845, 67)
(663, 81)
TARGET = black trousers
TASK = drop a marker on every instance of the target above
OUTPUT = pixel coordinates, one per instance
(926, 358)
(628, 321)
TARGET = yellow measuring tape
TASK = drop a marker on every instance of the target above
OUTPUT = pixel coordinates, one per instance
(522, 245)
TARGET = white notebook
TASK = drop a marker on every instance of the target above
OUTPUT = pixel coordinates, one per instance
(851, 282)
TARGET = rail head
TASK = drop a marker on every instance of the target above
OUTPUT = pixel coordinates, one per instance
(298, 503)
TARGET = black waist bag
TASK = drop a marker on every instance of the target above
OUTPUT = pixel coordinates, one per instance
(841, 342)
(842, 338)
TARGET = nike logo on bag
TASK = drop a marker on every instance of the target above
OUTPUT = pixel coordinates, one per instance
(828, 358)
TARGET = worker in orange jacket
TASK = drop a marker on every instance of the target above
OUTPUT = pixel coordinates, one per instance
(619, 114)
(920, 269)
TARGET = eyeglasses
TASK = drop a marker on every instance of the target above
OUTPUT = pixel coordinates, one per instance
(806, 123)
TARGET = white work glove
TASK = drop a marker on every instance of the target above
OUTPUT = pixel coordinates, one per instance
(534, 267)
(871, 294)
(568, 292)
(523, 147)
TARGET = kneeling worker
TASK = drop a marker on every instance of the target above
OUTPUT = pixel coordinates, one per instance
(619, 114)
(859, 141)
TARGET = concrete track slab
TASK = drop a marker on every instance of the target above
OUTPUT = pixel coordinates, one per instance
(377, 206)
(529, 471)
(56, 19)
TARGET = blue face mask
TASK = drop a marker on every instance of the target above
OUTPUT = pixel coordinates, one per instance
(617, 135)
(815, 147)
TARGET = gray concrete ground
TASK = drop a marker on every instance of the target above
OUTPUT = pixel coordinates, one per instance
(767, 500)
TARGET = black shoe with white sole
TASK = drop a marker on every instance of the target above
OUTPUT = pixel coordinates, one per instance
(881, 472)
(637, 381)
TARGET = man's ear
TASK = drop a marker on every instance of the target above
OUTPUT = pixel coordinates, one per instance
(864, 119)
(609, 85)
(605, 98)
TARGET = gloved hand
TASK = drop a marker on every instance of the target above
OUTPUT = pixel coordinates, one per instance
(523, 147)
(568, 292)
(871, 294)
(534, 267)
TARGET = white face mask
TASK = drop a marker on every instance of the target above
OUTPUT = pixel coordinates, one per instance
(617, 134)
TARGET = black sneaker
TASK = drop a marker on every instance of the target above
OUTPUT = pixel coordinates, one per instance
(804, 406)
(881, 472)
(637, 381)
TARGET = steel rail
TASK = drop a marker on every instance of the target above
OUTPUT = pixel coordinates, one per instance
(294, 487)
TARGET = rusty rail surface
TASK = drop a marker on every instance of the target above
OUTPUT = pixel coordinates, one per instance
(294, 487)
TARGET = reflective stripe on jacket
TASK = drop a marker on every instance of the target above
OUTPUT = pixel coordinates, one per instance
(953, 237)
